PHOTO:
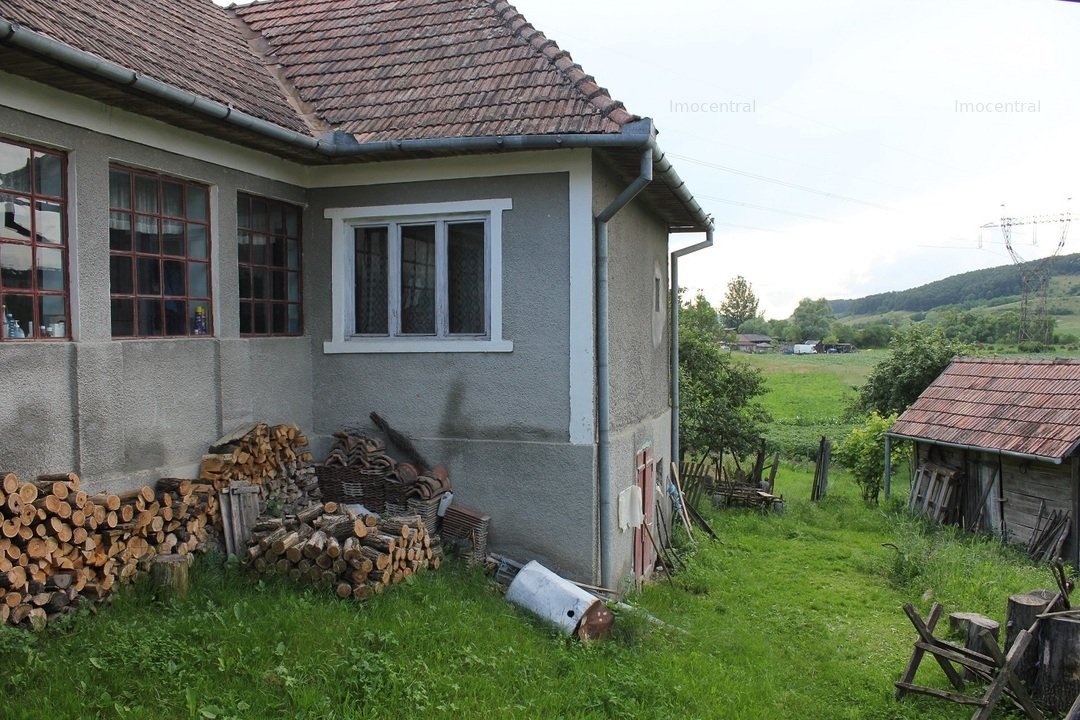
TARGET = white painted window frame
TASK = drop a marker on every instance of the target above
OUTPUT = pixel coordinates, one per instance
(345, 222)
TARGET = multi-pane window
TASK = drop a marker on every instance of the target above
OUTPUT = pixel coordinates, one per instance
(159, 237)
(426, 278)
(33, 243)
(268, 258)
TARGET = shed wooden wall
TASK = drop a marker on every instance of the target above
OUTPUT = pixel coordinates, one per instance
(1024, 486)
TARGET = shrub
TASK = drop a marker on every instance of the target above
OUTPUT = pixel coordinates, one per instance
(863, 453)
(919, 354)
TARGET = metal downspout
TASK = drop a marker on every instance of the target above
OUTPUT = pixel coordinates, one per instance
(603, 369)
(675, 302)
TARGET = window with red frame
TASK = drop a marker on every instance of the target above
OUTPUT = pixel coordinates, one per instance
(268, 259)
(159, 240)
(33, 243)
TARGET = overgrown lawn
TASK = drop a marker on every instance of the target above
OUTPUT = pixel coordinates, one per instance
(792, 615)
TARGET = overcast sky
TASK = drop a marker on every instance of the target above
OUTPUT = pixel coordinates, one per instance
(856, 102)
(854, 99)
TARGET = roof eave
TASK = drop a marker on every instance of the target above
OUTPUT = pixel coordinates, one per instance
(962, 446)
(639, 134)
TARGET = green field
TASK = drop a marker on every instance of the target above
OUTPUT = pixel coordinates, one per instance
(807, 397)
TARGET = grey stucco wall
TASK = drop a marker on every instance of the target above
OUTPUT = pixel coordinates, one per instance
(523, 395)
(123, 412)
(499, 421)
(639, 348)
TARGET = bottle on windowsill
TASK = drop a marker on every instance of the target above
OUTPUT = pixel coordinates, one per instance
(200, 321)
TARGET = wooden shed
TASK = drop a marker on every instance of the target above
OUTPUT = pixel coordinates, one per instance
(1004, 434)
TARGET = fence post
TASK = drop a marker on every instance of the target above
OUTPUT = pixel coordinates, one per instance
(888, 466)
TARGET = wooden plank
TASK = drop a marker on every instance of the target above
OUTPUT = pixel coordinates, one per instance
(1003, 679)
(942, 694)
(917, 653)
(1015, 687)
(956, 657)
(927, 636)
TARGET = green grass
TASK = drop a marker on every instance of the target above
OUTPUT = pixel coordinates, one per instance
(793, 615)
(807, 396)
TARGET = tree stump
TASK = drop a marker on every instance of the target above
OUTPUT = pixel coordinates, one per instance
(1021, 615)
(1058, 681)
(169, 575)
(970, 625)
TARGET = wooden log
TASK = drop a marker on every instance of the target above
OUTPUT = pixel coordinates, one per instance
(1021, 614)
(1057, 682)
(169, 575)
(386, 543)
(400, 525)
(315, 545)
(380, 560)
(343, 590)
(350, 548)
(10, 483)
(176, 486)
(109, 502)
(308, 515)
(28, 492)
(333, 548)
(970, 626)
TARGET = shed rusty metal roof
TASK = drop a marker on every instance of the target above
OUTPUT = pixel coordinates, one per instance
(408, 69)
(1016, 406)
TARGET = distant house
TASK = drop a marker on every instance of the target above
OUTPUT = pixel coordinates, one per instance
(1009, 430)
(753, 343)
(306, 211)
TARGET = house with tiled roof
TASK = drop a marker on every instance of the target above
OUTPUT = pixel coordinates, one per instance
(308, 210)
(1010, 431)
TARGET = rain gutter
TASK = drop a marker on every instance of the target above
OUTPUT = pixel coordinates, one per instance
(603, 367)
(976, 448)
(675, 304)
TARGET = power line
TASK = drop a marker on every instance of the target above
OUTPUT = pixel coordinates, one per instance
(745, 227)
(766, 208)
(777, 181)
(683, 132)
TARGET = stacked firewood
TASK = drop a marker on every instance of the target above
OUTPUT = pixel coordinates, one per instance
(270, 456)
(59, 544)
(353, 555)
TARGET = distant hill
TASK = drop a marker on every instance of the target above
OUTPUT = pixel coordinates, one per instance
(970, 289)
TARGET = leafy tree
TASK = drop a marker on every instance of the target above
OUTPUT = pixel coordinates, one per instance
(812, 318)
(862, 452)
(740, 304)
(701, 317)
(755, 326)
(717, 393)
(919, 354)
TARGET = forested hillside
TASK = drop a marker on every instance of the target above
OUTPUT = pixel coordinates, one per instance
(976, 287)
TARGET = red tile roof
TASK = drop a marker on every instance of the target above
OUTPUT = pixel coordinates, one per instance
(1029, 407)
(191, 44)
(404, 69)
